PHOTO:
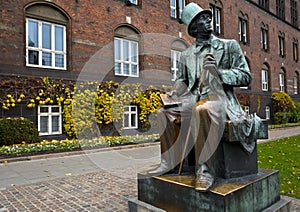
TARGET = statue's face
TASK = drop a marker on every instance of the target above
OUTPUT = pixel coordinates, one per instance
(202, 25)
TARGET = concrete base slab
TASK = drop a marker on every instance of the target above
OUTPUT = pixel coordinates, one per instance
(174, 193)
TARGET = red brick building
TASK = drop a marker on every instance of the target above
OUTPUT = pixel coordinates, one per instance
(139, 40)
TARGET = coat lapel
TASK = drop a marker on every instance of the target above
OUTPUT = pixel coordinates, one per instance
(218, 49)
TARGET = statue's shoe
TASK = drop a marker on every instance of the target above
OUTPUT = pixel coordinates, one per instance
(204, 183)
(204, 180)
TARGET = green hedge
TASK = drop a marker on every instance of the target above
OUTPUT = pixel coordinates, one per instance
(17, 130)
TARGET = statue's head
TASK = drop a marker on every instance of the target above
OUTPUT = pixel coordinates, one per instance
(190, 15)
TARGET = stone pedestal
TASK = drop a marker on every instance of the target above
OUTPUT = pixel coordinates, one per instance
(172, 193)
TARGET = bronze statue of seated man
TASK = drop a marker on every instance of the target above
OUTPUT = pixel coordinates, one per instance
(208, 72)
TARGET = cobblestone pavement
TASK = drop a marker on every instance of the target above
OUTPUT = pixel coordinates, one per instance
(95, 189)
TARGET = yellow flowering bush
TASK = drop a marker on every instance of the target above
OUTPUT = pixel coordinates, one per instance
(86, 105)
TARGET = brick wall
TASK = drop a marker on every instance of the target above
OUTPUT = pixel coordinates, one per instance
(92, 24)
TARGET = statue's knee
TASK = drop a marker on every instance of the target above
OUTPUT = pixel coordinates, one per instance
(201, 109)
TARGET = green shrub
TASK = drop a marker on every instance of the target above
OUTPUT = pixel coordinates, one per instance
(295, 113)
(282, 102)
(281, 117)
(17, 130)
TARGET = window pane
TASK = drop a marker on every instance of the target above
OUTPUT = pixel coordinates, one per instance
(117, 48)
(134, 52)
(126, 69)
(44, 124)
(125, 50)
(46, 32)
(55, 123)
(59, 60)
(55, 109)
(117, 68)
(47, 59)
(33, 57)
(59, 38)
(126, 120)
(133, 120)
(44, 109)
(33, 33)
(134, 70)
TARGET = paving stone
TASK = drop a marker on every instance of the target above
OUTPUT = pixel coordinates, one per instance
(97, 187)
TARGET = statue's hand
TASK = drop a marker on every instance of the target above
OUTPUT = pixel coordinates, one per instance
(210, 64)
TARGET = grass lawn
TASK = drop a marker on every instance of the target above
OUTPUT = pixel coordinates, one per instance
(283, 155)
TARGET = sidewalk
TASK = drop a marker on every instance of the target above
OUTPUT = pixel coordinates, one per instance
(95, 181)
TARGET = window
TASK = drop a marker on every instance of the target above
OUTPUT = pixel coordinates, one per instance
(176, 7)
(216, 14)
(243, 32)
(296, 82)
(264, 4)
(268, 115)
(126, 57)
(135, 2)
(46, 39)
(281, 44)
(49, 120)
(46, 44)
(264, 78)
(264, 37)
(280, 9)
(282, 80)
(175, 56)
(295, 50)
(294, 13)
(130, 117)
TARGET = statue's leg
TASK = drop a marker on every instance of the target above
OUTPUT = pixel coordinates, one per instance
(207, 126)
(169, 124)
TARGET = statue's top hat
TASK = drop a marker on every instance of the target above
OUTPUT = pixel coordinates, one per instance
(190, 12)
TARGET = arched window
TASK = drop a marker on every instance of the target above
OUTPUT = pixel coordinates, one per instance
(46, 37)
(216, 9)
(281, 44)
(264, 35)
(296, 82)
(176, 7)
(243, 28)
(282, 80)
(265, 78)
(126, 51)
(177, 47)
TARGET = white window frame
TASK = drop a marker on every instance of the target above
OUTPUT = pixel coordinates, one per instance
(296, 83)
(131, 111)
(175, 56)
(181, 6)
(50, 116)
(281, 82)
(42, 50)
(173, 8)
(243, 30)
(126, 61)
(264, 39)
(264, 80)
(176, 6)
(135, 2)
(268, 114)
(295, 51)
(247, 110)
(281, 45)
(216, 21)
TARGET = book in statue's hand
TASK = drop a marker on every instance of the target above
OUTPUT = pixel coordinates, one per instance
(169, 101)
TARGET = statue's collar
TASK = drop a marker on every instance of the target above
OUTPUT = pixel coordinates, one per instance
(212, 41)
